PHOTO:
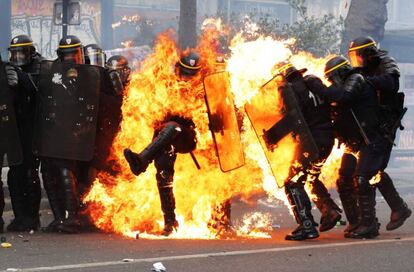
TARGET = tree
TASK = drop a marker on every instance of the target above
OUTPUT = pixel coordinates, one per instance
(365, 17)
(187, 27)
(317, 35)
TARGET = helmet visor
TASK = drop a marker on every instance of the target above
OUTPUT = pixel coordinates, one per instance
(96, 57)
(355, 59)
(73, 56)
(125, 73)
(20, 56)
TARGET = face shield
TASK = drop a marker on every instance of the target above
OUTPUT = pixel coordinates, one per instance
(124, 73)
(334, 79)
(96, 57)
(123, 70)
(20, 56)
(355, 59)
(74, 56)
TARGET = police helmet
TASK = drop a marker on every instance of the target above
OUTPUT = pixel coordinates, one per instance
(120, 64)
(21, 50)
(70, 50)
(360, 50)
(94, 55)
(189, 64)
(337, 68)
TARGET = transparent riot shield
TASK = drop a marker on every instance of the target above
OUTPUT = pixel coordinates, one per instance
(223, 121)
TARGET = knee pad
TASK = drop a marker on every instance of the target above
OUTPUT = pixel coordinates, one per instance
(362, 185)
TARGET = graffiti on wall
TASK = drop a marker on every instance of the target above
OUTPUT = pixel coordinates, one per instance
(34, 18)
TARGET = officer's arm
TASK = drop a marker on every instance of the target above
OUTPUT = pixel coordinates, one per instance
(26, 83)
(349, 91)
(316, 86)
(113, 84)
(388, 80)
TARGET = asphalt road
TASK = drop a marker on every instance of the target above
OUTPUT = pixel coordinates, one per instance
(392, 251)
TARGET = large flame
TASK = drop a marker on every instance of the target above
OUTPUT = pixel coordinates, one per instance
(128, 204)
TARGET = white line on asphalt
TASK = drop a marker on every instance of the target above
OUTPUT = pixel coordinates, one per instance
(212, 254)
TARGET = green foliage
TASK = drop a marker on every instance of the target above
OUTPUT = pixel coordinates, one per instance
(317, 35)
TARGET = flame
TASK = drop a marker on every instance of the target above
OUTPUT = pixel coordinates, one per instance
(130, 205)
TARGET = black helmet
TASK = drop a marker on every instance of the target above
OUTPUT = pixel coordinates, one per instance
(70, 50)
(189, 64)
(21, 50)
(360, 50)
(287, 70)
(337, 69)
(120, 64)
(94, 55)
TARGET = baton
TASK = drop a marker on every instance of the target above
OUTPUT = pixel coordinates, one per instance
(195, 160)
(366, 140)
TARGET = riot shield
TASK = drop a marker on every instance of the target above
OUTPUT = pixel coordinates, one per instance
(9, 134)
(275, 114)
(223, 121)
(67, 110)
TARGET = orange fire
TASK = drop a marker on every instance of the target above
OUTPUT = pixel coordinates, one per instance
(128, 204)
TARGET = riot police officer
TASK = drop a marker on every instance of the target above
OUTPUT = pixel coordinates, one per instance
(383, 72)
(23, 179)
(357, 124)
(60, 175)
(116, 79)
(174, 134)
(120, 64)
(94, 55)
(317, 117)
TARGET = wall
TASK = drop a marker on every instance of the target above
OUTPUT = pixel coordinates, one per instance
(400, 15)
(35, 19)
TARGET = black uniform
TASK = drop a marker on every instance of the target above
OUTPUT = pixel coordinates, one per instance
(174, 134)
(109, 120)
(10, 142)
(60, 176)
(357, 124)
(383, 72)
(23, 179)
(316, 114)
(1, 205)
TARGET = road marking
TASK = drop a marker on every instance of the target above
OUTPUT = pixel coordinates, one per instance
(212, 254)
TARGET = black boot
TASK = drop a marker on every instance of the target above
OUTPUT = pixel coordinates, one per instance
(348, 198)
(139, 162)
(54, 196)
(368, 225)
(400, 211)
(330, 212)
(168, 208)
(302, 210)
(70, 222)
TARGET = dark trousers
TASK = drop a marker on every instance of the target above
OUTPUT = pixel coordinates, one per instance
(24, 185)
(164, 163)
